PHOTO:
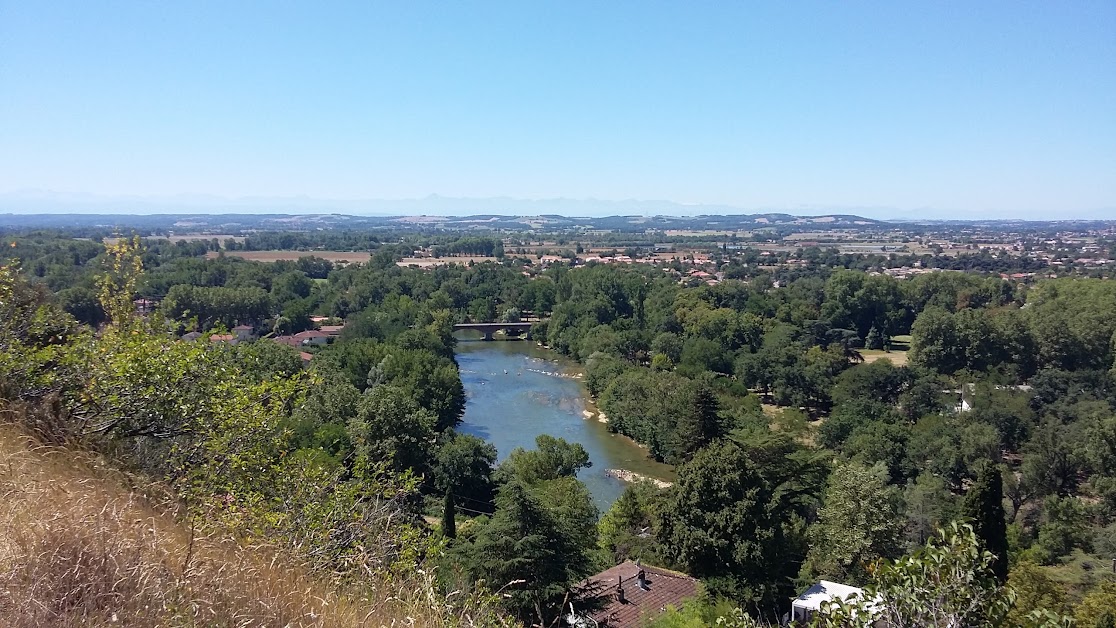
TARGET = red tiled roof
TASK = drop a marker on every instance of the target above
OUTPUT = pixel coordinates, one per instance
(662, 588)
(303, 335)
(221, 337)
(290, 341)
(306, 357)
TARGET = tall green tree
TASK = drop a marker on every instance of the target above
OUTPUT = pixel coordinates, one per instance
(522, 553)
(858, 525)
(721, 523)
(463, 466)
(699, 425)
(984, 508)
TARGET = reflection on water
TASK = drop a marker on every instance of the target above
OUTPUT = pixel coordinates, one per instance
(516, 391)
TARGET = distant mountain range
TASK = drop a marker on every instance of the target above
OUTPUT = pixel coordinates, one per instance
(213, 214)
(240, 223)
(704, 225)
(50, 202)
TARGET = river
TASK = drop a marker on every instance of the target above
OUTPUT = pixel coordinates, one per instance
(516, 390)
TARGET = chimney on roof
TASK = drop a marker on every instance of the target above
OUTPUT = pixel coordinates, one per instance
(642, 579)
(620, 590)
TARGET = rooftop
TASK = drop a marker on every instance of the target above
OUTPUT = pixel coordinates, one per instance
(661, 588)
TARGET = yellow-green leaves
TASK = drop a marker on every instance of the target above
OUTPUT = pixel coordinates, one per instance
(117, 286)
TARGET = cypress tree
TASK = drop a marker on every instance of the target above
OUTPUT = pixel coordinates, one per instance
(984, 508)
(449, 517)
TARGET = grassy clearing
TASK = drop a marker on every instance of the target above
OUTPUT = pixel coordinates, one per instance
(1080, 572)
(900, 345)
(898, 358)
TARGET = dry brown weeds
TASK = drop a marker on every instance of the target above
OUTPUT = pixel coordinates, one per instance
(76, 548)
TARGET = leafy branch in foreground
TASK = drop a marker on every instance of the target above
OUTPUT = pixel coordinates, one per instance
(949, 582)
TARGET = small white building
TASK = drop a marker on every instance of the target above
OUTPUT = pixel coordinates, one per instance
(805, 606)
(312, 337)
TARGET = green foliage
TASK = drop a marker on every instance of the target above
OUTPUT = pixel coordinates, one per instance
(626, 530)
(970, 340)
(1064, 527)
(523, 553)
(946, 583)
(1051, 462)
(983, 507)
(431, 380)
(699, 424)
(858, 525)
(860, 302)
(117, 286)
(35, 358)
(390, 426)
(699, 614)
(724, 519)
(929, 506)
(218, 305)
(645, 405)
(878, 381)
(1035, 591)
(463, 466)
(143, 385)
(885, 443)
(850, 416)
(551, 459)
(1098, 608)
(1073, 321)
(266, 360)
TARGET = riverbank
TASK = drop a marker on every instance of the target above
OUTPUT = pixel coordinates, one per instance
(516, 391)
(632, 477)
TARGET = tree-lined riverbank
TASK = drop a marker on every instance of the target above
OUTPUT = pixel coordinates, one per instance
(517, 390)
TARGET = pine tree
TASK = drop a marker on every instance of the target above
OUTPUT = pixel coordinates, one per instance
(449, 517)
(984, 507)
(699, 426)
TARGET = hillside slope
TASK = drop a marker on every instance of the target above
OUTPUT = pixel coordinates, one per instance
(78, 547)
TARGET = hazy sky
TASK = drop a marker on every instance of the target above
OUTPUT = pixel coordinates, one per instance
(967, 109)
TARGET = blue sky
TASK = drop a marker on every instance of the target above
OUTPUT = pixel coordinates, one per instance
(899, 109)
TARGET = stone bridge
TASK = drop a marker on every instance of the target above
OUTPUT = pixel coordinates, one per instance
(490, 328)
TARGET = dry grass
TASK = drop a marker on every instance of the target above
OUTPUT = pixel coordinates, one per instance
(898, 358)
(76, 548)
(83, 544)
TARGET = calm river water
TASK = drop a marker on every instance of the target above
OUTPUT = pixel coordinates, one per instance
(517, 390)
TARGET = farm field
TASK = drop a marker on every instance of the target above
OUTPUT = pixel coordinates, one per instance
(430, 262)
(275, 256)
